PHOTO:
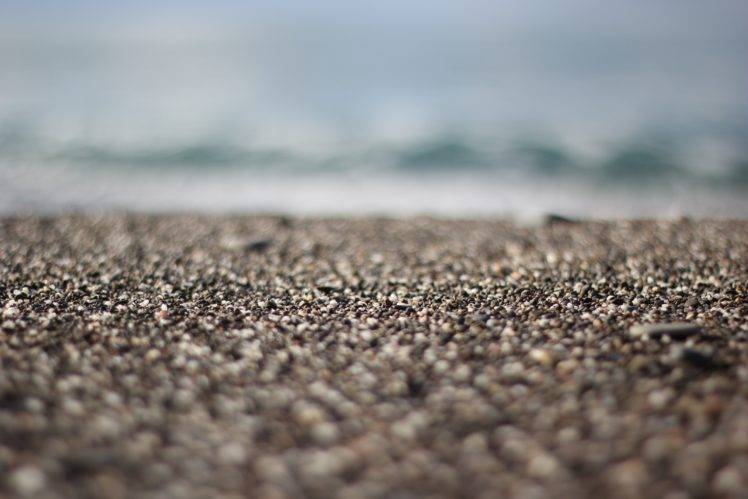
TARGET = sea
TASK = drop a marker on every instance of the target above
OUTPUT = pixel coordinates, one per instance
(580, 108)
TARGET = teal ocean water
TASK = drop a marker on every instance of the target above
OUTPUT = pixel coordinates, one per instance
(639, 109)
(698, 160)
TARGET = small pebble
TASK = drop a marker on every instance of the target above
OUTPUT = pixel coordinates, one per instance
(27, 480)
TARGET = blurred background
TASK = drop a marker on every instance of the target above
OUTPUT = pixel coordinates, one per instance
(475, 107)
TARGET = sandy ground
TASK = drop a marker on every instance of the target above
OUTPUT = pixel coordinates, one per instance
(180, 356)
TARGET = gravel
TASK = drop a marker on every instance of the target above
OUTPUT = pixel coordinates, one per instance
(231, 356)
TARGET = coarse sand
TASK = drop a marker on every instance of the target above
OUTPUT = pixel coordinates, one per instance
(265, 356)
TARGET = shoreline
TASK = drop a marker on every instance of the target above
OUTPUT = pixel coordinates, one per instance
(466, 194)
(275, 356)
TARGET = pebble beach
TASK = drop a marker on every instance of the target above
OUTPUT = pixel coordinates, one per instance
(267, 356)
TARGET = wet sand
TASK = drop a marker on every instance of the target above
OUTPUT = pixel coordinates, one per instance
(230, 356)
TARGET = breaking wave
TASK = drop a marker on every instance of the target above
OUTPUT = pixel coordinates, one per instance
(623, 161)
